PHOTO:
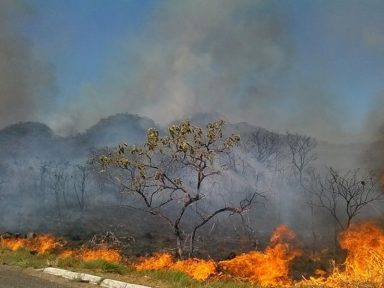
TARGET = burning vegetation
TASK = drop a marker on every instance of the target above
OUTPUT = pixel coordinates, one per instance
(34, 243)
(364, 263)
(194, 181)
(198, 269)
(363, 243)
(268, 267)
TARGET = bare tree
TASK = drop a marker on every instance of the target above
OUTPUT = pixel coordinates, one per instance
(345, 195)
(169, 174)
(57, 183)
(80, 176)
(265, 144)
(301, 151)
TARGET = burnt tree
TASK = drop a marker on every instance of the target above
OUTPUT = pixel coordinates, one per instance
(344, 196)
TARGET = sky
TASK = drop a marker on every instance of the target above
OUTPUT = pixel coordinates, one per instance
(312, 67)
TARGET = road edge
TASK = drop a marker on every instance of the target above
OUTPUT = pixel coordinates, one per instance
(89, 278)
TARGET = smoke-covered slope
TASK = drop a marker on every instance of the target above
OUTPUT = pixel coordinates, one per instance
(41, 178)
(33, 140)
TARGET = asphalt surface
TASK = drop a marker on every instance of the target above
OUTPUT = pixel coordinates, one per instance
(15, 277)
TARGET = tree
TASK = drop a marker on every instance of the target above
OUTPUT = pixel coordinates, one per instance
(265, 145)
(80, 176)
(170, 174)
(301, 151)
(345, 195)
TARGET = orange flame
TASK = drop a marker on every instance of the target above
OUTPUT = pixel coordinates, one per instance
(364, 244)
(157, 262)
(270, 267)
(86, 254)
(198, 269)
(39, 243)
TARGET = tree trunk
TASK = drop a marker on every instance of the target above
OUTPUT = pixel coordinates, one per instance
(179, 246)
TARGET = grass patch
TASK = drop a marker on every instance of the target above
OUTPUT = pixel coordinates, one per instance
(105, 266)
(174, 279)
(94, 265)
(25, 258)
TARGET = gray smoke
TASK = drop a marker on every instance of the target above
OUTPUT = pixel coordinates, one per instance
(25, 81)
(193, 56)
(236, 58)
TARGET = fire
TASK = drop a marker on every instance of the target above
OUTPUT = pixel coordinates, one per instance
(198, 269)
(157, 262)
(40, 243)
(86, 254)
(269, 267)
(364, 244)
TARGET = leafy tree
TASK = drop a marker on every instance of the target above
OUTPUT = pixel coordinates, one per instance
(170, 173)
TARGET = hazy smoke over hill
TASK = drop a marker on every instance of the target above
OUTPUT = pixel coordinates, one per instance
(195, 56)
(25, 80)
(237, 58)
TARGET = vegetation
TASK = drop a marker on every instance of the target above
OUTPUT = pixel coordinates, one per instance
(188, 176)
(344, 196)
(168, 174)
(160, 278)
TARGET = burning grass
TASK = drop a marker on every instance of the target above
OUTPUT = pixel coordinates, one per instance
(197, 269)
(363, 266)
(37, 243)
(266, 268)
(269, 267)
(88, 254)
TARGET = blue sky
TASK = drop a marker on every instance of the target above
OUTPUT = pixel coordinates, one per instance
(314, 67)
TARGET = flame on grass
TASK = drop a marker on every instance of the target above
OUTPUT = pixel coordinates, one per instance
(87, 254)
(364, 244)
(269, 267)
(40, 243)
(198, 269)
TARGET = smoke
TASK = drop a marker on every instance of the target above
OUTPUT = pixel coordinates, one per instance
(25, 81)
(193, 57)
(373, 158)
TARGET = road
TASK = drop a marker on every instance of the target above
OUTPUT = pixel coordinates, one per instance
(15, 277)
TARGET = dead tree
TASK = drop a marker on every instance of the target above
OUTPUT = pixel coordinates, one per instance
(57, 183)
(344, 196)
(301, 151)
(80, 176)
(265, 145)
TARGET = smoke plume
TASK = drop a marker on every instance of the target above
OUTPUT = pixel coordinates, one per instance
(25, 81)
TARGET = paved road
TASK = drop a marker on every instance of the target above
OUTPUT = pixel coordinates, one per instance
(14, 277)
